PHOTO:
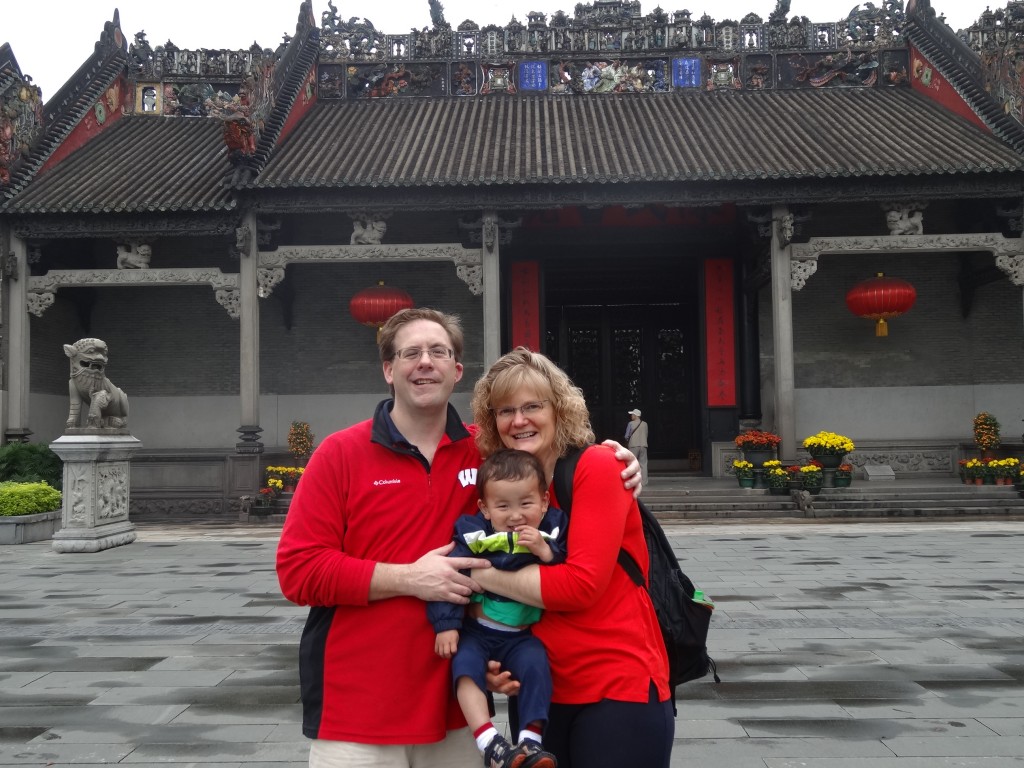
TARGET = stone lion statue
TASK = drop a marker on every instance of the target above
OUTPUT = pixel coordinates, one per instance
(368, 232)
(106, 406)
(133, 256)
(903, 221)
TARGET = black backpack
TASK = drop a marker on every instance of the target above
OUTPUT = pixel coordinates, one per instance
(684, 621)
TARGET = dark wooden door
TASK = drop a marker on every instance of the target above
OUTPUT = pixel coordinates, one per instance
(632, 356)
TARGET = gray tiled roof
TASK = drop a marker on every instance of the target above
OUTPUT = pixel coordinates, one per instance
(143, 163)
(732, 136)
(150, 164)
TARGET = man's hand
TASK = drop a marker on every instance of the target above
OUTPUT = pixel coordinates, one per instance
(446, 643)
(631, 474)
(436, 577)
(499, 681)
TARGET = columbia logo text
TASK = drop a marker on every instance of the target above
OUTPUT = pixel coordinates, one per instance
(392, 481)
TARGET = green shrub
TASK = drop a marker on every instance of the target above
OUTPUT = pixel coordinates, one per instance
(28, 498)
(31, 463)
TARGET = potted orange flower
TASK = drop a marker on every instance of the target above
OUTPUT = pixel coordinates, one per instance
(844, 476)
(757, 446)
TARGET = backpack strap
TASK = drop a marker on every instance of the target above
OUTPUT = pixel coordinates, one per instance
(565, 471)
(631, 568)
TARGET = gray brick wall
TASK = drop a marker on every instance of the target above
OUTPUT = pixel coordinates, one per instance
(932, 345)
(180, 341)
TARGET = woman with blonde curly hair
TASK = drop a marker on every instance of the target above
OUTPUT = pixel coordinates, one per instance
(611, 704)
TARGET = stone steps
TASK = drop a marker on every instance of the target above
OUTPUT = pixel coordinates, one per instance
(702, 498)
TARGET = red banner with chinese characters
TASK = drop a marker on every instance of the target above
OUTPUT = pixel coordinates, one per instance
(524, 304)
(719, 329)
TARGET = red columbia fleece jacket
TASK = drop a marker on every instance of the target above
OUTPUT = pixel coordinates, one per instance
(368, 670)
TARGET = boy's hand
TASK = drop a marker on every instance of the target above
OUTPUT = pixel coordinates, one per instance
(499, 681)
(532, 539)
(446, 643)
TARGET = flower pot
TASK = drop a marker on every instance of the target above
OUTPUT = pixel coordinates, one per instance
(988, 480)
(25, 529)
(828, 460)
(778, 490)
(758, 456)
(746, 482)
(978, 480)
(843, 482)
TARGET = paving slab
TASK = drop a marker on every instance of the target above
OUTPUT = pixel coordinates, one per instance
(840, 644)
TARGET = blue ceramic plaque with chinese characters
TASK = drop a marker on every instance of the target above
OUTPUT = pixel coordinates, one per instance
(533, 75)
(686, 73)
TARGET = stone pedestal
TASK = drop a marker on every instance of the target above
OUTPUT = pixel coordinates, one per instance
(97, 482)
(878, 472)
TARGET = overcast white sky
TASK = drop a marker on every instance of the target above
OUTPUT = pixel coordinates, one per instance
(52, 38)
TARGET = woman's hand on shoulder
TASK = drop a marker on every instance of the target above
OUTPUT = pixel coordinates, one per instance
(631, 476)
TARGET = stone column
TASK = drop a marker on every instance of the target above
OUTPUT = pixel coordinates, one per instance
(97, 485)
(491, 288)
(249, 338)
(19, 345)
(782, 335)
(750, 351)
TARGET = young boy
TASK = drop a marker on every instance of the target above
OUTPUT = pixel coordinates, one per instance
(514, 527)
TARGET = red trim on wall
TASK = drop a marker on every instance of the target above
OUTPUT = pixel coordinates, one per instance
(524, 303)
(719, 330)
(303, 103)
(924, 78)
(107, 110)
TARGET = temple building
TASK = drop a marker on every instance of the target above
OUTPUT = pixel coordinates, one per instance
(714, 221)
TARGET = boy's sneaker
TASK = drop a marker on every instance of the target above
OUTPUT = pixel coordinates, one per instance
(536, 757)
(528, 754)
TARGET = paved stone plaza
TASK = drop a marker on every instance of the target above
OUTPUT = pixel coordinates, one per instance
(842, 645)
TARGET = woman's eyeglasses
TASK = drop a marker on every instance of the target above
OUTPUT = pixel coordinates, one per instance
(527, 409)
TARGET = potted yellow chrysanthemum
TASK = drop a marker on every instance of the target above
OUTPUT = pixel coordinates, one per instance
(828, 448)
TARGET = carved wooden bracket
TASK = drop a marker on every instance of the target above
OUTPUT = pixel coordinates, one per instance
(42, 289)
(994, 242)
(1013, 266)
(468, 261)
(800, 271)
(1008, 251)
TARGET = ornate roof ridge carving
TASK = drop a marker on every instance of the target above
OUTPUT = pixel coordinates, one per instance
(974, 63)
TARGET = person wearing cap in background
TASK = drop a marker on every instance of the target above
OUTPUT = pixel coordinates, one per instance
(636, 440)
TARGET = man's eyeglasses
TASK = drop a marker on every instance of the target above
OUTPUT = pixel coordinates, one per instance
(415, 353)
(527, 409)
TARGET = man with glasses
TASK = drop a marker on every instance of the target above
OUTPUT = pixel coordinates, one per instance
(364, 544)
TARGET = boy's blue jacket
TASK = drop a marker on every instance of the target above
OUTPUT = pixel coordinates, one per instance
(475, 537)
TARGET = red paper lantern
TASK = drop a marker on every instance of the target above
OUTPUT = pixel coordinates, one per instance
(880, 298)
(374, 306)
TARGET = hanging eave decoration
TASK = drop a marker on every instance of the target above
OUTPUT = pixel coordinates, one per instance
(881, 298)
(375, 305)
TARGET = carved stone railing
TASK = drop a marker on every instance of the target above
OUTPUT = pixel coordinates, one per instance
(468, 261)
(43, 288)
